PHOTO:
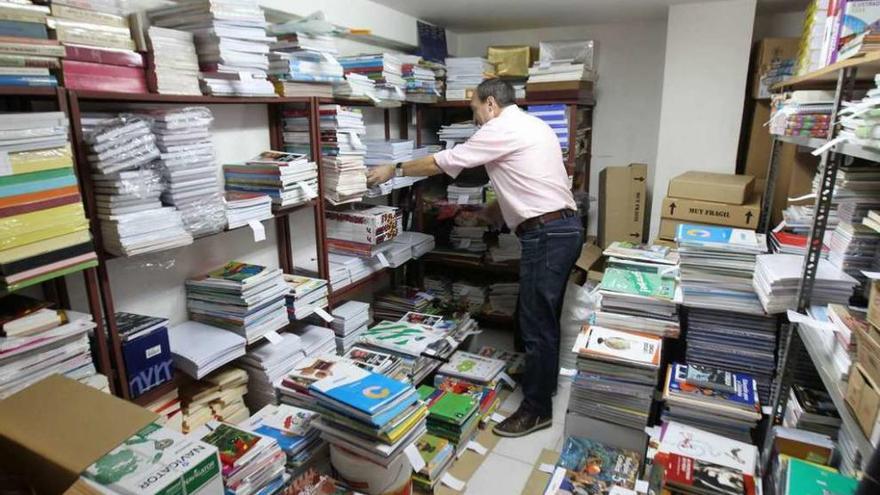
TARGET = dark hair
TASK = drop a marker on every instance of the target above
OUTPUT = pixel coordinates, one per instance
(502, 91)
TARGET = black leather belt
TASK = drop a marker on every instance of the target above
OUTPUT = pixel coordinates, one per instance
(541, 220)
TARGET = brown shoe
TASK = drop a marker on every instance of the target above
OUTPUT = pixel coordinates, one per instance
(521, 423)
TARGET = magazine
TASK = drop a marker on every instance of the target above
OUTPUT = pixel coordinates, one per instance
(594, 468)
(472, 367)
(691, 442)
(605, 344)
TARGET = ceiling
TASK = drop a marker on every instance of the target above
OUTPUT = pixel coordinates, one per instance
(489, 15)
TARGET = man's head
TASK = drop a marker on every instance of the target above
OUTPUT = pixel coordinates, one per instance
(490, 98)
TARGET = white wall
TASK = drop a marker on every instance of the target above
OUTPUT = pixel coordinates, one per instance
(629, 61)
(707, 61)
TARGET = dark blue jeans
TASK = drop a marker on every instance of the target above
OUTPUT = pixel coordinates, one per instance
(548, 255)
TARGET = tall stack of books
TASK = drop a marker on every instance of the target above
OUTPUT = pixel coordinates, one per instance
(411, 343)
(385, 70)
(247, 208)
(146, 351)
(239, 297)
(292, 428)
(251, 463)
(451, 416)
(38, 341)
(342, 151)
(356, 87)
(641, 295)
(218, 397)
(198, 349)
(463, 75)
(777, 277)
(556, 117)
(306, 295)
(99, 51)
(294, 387)
(438, 454)
(189, 168)
(290, 179)
(477, 376)
(358, 230)
(563, 72)
(421, 85)
(231, 43)
(350, 321)
(266, 364)
(303, 64)
(584, 464)
(44, 229)
(127, 188)
(27, 56)
(172, 62)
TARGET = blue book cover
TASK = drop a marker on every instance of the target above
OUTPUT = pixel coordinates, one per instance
(746, 388)
(148, 361)
(547, 108)
(362, 390)
(287, 443)
(37, 186)
(703, 233)
(23, 29)
(37, 81)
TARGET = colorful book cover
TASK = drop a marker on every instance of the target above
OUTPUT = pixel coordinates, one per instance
(638, 283)
(617, 345)
(311, 370)
(237, 271)
(745, 388)
(805, 478)
(360, 389)
(434, 451)
(712, 378)
(697, 476)
(403, 337)
(708, 235)
(233, 443)
(453, 408)
(369, 360)
(691, 442)
(473, 367)
(595, 468)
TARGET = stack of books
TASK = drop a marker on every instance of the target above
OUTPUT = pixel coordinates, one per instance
(172, 62)
(239, 297)
(27, 56)
(266, 364)
(350, 321)
(290, 179)
(375, 361)
(356, 269)
(456, 133)
(189, 168)
(617, 375)
(384, 152)
(777, 277)
(42, 220)
(503, 298)
(169, 409)
(712, 399)
(292, 428)
(396, 254)
(470, 296)
(250, 462)
(508, 249)
(461, 194)
(356, 87)
(127, 188)
(305, 296)
(218, 397)
(419, 243)
(345, 175)
(37, 341)
(243, 208)
(438, 454)
(145, 351)
(812, 410)
(421, 85)
(451, 416)
(231, 43)
(396, 303)
(560, 80)
(584, 464)
(303, 64)
(463, 75)
(411, 343)
(854, 248)
(316, 340)
(554, 115)
(848, 323)
(296, 134)
(378, 426)
(198, 349)
(469, 238)
(358, 230)
(99, 51)
(516, 361)
(385, 70)
(294, 387)
(641, 294)
(483, 383)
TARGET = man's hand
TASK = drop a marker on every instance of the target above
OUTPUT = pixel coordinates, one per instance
(379, 174)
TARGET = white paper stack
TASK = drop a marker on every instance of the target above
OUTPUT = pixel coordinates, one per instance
(465, 195)
(199, 349)
(266, 364)
(317, 340)
(469, 238)
(392, 254)
(304, 64)
(383, 152)
(357, 268)
(356, 87)
(243, 208)
(854, 248)
(508, 249)
(339, 276)
(350, 320)
(777, 277)
(458, 132)
(173, 66)
(419, 243)
(470, 295)
(345, 175)
(463, 75)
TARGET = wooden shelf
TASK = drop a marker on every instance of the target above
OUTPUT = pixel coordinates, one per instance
(49, 91)
(483, 267)
(868, 65)
(185, 99)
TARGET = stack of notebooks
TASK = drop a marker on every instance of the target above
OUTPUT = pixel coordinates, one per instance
(470, 296)
(169, 409)
(189, 168)
(359, 230)
(345, 175)
(219, 397)
(199, 349)
(122, 153)
(411, 343)
(469, 237)
(712, 399)
(385, 70)
(456, 133)
(368, 414)
(316, 340)
(239, 297)
(554, 115)
(421, 85)
(305, 296)
(350, 321)
(565, 74)
(251, 463)
(418, 243)
(375, 361)
(266, 364)
(717, 267)
(508, 249)
(438, 454)
(451, 416)
(396, 303)
(503, 298)
(36, 341)
(172, 63)
(290, 179)
(736, 342)
(383, 152)
(477, 376)
(27, 56)
(617, 375)
(641, 294)
(463, 75)
(292, 428)
(395, 254)
(356, 87)
(294, 387)
(355, 268)
(145, 351)
(303, 64)
(99, 51)
(231, 43)
(812, 410)
(44, 229)
(777, 277)
(854, 248)
(247, 208)
(461, 194)
(585, 464)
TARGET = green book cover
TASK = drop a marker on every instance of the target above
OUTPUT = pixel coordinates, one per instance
(805, 478)
(54, 173)
(425, 392)
(638, 283)
(453, 408)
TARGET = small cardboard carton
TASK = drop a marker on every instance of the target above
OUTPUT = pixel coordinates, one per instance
(869, 352)
(863, 397)
(709, 212)
(622, 203)
(710, 186)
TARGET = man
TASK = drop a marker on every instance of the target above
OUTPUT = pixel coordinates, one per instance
(524, 162)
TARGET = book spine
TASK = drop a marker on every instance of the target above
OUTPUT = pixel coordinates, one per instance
(89, 16)
(93, 37)
(101, 56)
(28, 81)
(41, 205)
(85, 82)
(24, 29)
(25, 49)
(29, 61)
(10, 13)
(24, 71)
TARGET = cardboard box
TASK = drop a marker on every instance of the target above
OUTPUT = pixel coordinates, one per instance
(696, 211)
(710, 186)
(765, 52)
(538, 479)
(863, 397)
(757, 151)
(869, 351)
(53, 430)
(622, 203)
(874, 303)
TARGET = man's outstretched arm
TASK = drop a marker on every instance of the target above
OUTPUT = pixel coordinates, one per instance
(420, 167)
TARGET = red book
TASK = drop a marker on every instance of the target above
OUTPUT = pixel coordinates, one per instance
(108, 56)
(697, 476)
(87, 76)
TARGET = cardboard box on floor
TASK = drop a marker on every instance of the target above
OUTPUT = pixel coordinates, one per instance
(622, 200)
(710, 186)
(55, 429)
(764, 53)
(698, 211)
(759, 141)
(537, 482)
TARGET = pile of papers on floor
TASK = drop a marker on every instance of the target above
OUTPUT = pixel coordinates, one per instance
(266, 364)
(812, 410)
(306, 295)
(345, 175)
(350, 321)
(553, 115)
(292, 428)
(303, 64)
(804, 113)
(242, 298)
(712, 399)
(385, 70)
(463, 75)
(173, 66)
(358, 230)
(565, 71)
(122, 152)
(44, 228)
(503, 297)
(438, 454)
(198, 349)
(356, 87)
(290, 179)
(421, 85)
(37, 341)
(453, 417)
(717, 267)
(617, 375)
(507, 249)
(231, 43)
(477, 376)
(218, 397)
(584, 464)
(245, 208)
(777, 277)
(189, 168)
(251, 462)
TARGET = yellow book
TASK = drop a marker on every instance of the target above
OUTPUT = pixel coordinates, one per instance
(24, 162)
(395, 434)
(37, 248)
(26, 228)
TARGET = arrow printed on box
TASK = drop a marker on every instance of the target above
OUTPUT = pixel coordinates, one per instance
(749, 216)
(672, 208)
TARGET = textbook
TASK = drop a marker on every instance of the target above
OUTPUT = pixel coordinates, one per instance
(617, 346)
(473, 367)
(362, 391)
(401, 337)
(587, 466)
